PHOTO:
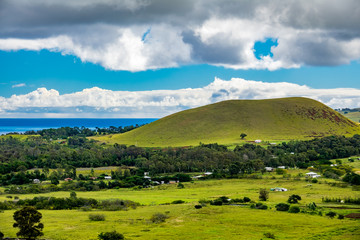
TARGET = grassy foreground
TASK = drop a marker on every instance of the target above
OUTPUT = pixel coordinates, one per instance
(210, 222)
(223, 122)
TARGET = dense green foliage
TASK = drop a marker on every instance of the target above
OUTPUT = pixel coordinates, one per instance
(18, 155)
(54, 203)
(27, 220)
(110, 236)
(65, 132)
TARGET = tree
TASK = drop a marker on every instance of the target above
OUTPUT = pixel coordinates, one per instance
(73, 195)
(28, 220)
(294, 199)
(243, 135)
(263, 194)
(110, 236)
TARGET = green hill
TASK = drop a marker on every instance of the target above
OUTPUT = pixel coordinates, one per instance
(223, 122)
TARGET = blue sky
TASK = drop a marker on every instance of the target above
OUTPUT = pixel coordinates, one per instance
(68, 74)
(158, 57)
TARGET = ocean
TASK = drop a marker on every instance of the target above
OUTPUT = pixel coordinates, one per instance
(21, 125)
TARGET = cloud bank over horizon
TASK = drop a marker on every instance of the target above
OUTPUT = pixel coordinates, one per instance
(137, 35)
(101, 103)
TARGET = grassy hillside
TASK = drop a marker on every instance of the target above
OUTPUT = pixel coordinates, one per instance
(223, 122)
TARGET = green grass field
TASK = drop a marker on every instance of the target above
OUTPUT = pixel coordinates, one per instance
(210, 222)
(223, 122)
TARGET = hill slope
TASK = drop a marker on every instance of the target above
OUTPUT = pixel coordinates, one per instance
(223, 122)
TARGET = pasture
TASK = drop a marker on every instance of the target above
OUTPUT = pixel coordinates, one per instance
(210, 222)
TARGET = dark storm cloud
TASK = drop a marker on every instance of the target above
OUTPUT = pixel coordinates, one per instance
(100, 25)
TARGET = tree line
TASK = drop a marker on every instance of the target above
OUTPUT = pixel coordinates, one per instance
(38, 152)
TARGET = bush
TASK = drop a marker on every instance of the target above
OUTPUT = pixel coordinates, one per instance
(269, 235)
(110, 236)
(258, 206)
(263, 194)
(177, 202)
(158, 218)
(294, 209)
(180, 185)
(331, 214)
(198, 206)
(341, 216)
(312, 206)
(1, 235)
(294, 199)
(280, 171)
(97, 217)
(314, 180)
(282, 207)
(246, 199)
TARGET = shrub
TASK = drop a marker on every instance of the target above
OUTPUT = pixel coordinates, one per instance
(237, 200)
(280, 171)
(158, 218)
(263, 194)
(1, 235)
(177, 202)
(294, 209)
(331, 214)
(312, 206)
(198, 206)
(216, 202)
(246, 199)
(97, 217)
(180, 185)
(282, 207)
(269, 235)
(341, 216)
(314, 180)
(258, 206)
(110, 236)
(294, 199)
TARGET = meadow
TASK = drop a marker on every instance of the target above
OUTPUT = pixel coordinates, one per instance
(210, 222)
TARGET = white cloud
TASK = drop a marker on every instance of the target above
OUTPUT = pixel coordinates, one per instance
(97, 102)
(221, 33)
(18, 85)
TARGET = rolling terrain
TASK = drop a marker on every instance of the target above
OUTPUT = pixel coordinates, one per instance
(352, 114)
(223, 122)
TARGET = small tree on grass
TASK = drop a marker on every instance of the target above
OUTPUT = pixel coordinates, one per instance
(28, 221)
(243, 135)
(110, 236)
(263, 194)
(294, 199)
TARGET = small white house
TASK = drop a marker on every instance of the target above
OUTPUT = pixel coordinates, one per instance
(257, 141)
(282, 167)
(107, 177)
(37, 181)
(269, 169)
(312, 175)
(147, 177)
(278, 189)
(208, 173)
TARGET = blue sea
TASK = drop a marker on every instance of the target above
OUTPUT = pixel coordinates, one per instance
(21, 125)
